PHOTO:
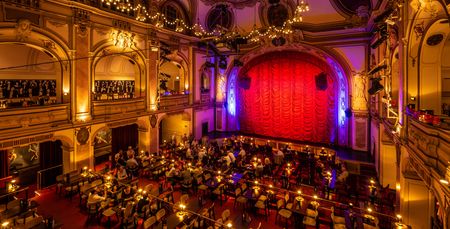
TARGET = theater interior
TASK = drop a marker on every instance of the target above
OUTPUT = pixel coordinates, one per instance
(217, 114)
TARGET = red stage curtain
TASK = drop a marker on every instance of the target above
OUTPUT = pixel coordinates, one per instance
(4, 164)
(283, 101)
(124, 136)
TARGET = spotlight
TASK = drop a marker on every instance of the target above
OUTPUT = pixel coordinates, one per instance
(376, 86)
(377, 69)
(378, 42)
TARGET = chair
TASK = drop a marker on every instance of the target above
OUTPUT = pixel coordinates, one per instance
(219, 192)
(262, 205)
(59, 183)
(129, 220)
(160, 214)
(93, 210)
(283, 212)
(148, 223)
(287, 203)
(311, 217)
(337, 220)
(239, 198)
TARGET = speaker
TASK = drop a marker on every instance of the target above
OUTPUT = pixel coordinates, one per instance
(375, 86)
(321, 81)
(244, 82)
(348, 113)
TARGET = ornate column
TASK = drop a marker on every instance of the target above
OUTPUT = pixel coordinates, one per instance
(81, 65)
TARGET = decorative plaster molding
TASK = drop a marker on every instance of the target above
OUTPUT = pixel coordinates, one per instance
(238, 4)
(23, 29)
(57, 24)
(25, 141)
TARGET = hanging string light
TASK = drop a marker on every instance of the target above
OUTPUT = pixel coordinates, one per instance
(301, 8)
(254, 36)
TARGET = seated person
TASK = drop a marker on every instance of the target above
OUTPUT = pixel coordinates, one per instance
(127, 192)
(142, 203)
(94, 197)
(122, 174)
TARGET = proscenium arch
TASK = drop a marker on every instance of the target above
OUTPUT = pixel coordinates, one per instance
(133, 54)
(340, 69)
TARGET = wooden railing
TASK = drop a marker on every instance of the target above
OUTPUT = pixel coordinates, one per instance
(27, 3)
(32, 116)
(173, 102)
(107, 109)
(430, 143)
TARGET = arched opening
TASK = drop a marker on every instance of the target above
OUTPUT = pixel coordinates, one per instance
(124, 138)
(173, 127)
(173, 79)
(31, 77)
(117, 77)
(288, 95)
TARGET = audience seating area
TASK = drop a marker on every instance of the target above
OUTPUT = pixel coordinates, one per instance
(225, 183)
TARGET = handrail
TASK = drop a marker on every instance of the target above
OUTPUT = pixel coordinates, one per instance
(39, 175)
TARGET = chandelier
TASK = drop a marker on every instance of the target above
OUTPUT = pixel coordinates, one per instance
(301, 8)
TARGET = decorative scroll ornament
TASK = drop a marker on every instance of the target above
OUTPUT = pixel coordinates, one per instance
(23, 29)
(83, 135)
(122, 39)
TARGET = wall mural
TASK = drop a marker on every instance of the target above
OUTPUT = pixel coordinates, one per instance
(23, 157)
(23, 93)
(114, 89)
(103, 138)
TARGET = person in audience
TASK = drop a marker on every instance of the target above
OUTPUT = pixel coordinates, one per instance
(189, 154)
(127, 192)
(242, 153)
(130, 152)
(122, 174)
(231, 156)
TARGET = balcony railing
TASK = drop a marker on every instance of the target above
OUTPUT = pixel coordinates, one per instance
(109, 7)
(31, 116)
(107, 109)
(431, 144)
(173, 102)
(27, 3)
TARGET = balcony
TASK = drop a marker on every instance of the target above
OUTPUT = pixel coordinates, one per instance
(431, 143)
(172, 102)
(13, 119)
(109, 108)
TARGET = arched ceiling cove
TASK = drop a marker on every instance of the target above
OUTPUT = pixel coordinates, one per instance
(14, 55)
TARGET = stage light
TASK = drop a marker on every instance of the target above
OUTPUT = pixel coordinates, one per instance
(378, 42)
(377, 69)
(376, 86)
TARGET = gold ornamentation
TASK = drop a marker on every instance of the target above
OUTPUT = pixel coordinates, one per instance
(23, 29)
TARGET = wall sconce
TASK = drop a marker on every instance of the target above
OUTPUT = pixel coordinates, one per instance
(66, 92)
(419, 30)
(154, 49)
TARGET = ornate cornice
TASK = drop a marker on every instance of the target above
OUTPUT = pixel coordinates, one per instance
(238, 4)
